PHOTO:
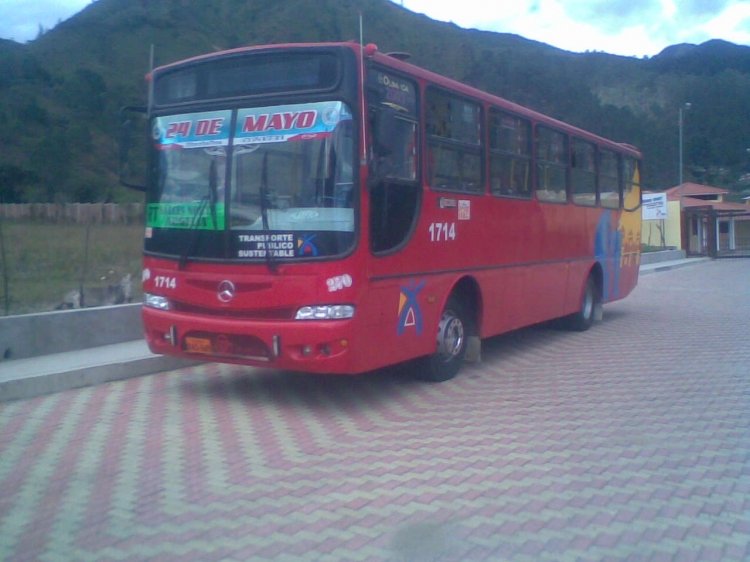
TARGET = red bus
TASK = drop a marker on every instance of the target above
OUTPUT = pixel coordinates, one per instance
(330, 208)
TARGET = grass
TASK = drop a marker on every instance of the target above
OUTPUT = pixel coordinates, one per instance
(43, 262)
(647, 248)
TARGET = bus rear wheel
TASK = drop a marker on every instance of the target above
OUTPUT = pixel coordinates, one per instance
(583, 319)
(452, 332)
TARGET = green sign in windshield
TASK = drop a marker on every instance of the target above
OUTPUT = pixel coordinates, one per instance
(195, 215)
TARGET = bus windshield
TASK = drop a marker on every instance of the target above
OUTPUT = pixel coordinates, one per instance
(276, 181)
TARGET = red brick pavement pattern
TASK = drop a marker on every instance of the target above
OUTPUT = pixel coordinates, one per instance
(627, 442)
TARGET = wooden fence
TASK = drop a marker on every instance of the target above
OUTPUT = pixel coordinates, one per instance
(77, 213)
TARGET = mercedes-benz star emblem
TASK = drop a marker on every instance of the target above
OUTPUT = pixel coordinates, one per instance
(226, 291)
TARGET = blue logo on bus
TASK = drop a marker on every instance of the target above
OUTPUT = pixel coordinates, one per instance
(608, 250)
(305, 246)
(409, 311)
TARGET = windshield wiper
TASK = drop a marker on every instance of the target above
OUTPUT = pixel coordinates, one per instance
(264, 197)
(190, 246)
(213, 182)
(264, 202)
(206, 201)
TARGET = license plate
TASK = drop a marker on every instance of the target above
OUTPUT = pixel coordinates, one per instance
(198, 345)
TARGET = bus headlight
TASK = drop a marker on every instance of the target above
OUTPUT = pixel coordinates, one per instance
(155, 301)
(325, 312)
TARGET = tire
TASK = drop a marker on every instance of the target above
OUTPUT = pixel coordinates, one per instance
(590, 300)
(451, 337)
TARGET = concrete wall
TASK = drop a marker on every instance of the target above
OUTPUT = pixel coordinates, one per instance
(32, 335)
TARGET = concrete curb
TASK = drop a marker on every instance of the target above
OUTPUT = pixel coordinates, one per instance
(648, 258)
(669, 265)
(45, 333)
(27, 378)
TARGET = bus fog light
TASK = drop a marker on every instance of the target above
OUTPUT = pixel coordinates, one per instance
(306, 350)
(325, 312)
(155, 301)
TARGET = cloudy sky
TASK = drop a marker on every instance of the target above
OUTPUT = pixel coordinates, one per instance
(625, 27)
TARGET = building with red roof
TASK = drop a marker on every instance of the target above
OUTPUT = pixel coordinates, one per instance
(701, 222)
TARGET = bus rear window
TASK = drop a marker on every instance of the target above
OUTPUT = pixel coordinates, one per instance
(247, 75)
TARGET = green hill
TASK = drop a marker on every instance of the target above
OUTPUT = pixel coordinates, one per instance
(60, 94)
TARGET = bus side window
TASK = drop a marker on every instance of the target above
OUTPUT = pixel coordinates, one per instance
(583, 173)
(453, 127)
(609, 179)
(551, 165)
(632, 194)
(510, 155)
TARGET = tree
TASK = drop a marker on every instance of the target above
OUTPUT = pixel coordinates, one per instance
(52, 157)
(12, 181)
(85, 92)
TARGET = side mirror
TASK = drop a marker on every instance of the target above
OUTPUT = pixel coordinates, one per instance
(133, 126)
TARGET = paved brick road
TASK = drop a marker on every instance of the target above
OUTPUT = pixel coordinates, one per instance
(627, 442)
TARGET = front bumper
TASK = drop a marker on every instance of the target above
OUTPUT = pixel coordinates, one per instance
(324, 346)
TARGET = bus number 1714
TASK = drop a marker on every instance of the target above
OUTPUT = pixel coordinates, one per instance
(442, 231)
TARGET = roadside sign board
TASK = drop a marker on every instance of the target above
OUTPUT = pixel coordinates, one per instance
(654, 206)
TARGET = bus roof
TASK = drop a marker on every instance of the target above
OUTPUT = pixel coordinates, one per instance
(397, 62)
(501, 103)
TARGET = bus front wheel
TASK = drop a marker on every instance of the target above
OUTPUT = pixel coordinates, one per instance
(452, 332)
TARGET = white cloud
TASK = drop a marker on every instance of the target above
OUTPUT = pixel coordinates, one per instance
(20, 20)
(733, 24)
(625, 27)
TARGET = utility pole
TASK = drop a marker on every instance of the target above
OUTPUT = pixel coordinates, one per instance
(681, 121)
